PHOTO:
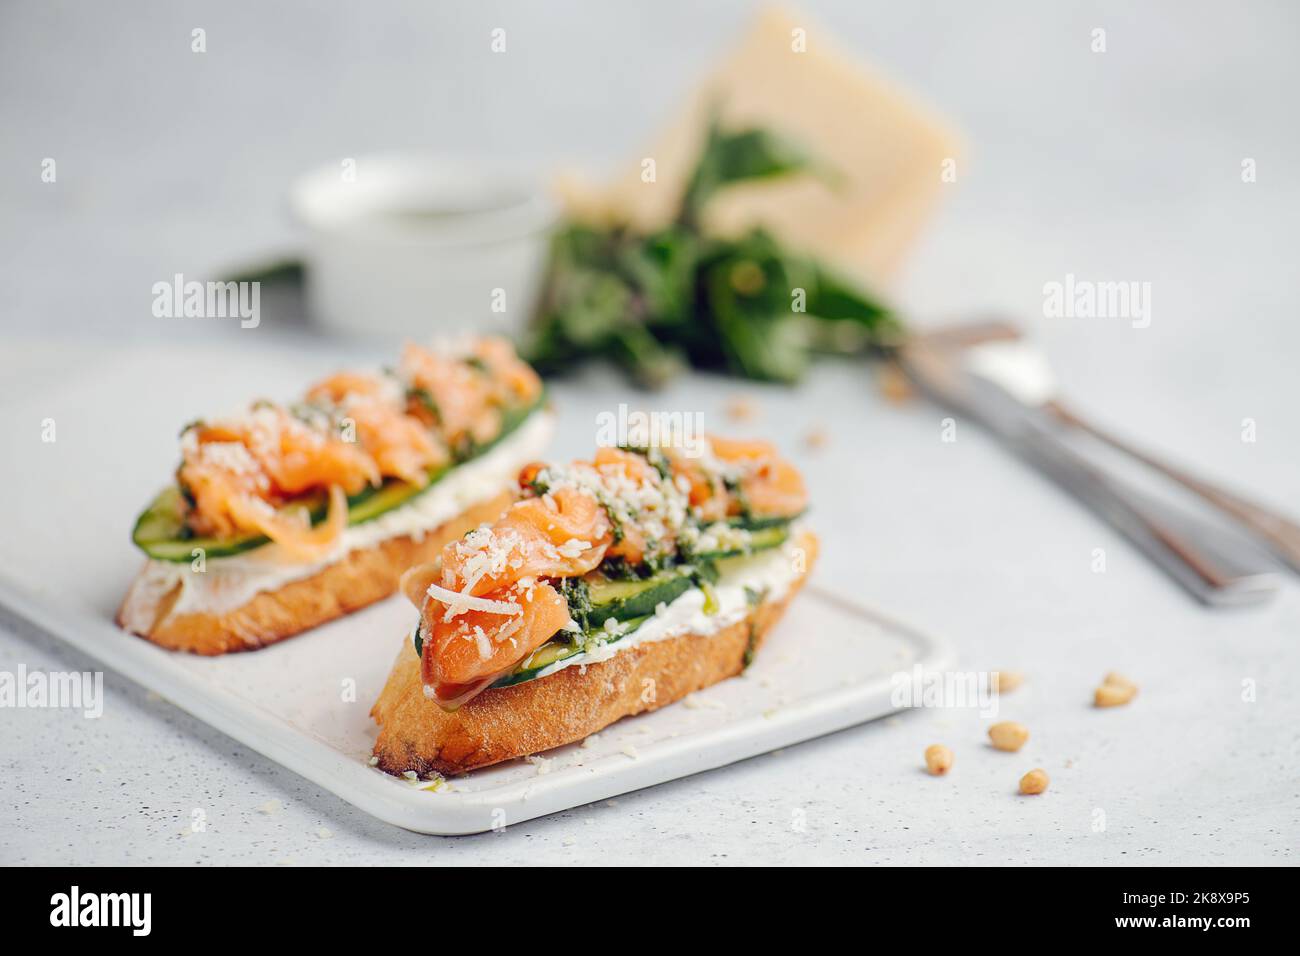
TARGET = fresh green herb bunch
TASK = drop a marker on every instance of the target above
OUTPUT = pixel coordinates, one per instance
(655, 302)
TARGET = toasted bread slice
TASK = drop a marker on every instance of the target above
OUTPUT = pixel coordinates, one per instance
(361, 577)
(502, 723)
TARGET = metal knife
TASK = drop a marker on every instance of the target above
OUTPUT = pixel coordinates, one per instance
(1217, 565)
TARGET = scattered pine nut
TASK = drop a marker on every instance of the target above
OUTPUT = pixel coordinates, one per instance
(894, 384)
(938, 759)
(1004, 682)
(1034, 782)
(1008, 735)
(816, 438)
(1115, 690)
(1114, 695)
(742, 408)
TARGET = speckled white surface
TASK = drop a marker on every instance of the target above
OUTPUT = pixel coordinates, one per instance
(997, 562)
(1122, 166)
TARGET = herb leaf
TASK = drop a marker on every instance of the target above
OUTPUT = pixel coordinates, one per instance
(654, 302)
(733, 157)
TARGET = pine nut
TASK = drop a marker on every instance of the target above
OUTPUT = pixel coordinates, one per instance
(1114, 695)
(1034, 782)
(742, 408)
(895, 386)
(1008, 735)
(1004, 682)
(938, 759)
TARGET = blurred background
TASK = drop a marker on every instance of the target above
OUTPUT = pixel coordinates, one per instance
(1125, 164)
(1122, 165)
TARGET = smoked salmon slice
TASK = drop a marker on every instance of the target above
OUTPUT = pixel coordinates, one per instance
(260, 472)
(475, 644)
(754, 478)
(292, 528)
(561, 534)
(769, 485)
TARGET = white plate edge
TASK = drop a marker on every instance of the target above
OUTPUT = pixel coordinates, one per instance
(460, 813)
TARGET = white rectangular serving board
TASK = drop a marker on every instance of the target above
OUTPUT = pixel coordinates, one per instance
(68, 505)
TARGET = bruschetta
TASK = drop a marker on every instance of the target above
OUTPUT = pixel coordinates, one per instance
(283, 517)
(610, 587)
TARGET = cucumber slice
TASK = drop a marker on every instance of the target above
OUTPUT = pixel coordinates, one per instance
(769, 537)
(755, 523)
(624, 600)
(373, 502)
(160, 531)
(552, 652)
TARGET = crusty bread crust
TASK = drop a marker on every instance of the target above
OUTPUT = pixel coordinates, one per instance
(361, 577)
(573, 703)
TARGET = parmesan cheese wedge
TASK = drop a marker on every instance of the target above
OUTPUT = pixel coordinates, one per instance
(887, 155)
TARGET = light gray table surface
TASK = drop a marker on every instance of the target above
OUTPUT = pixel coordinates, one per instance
(1117, 166)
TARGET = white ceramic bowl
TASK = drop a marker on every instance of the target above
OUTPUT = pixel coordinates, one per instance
(415, 244)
